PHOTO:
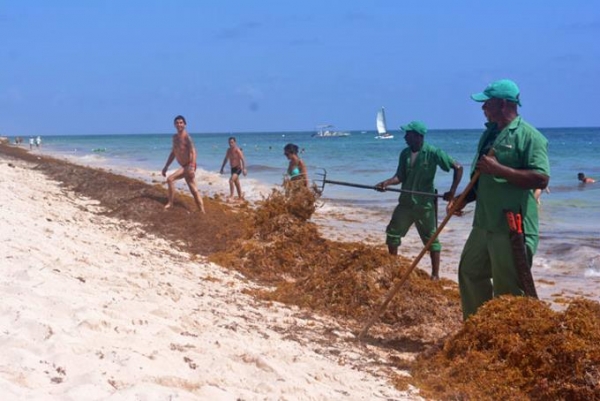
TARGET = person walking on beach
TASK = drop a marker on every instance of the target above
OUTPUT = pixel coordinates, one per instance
(237, 163)
(585, 180)
(184, 151)
(296, 168)
(512, 158)
(416, 172)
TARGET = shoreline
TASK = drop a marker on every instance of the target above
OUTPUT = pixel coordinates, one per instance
(563, 268)
(95, 305)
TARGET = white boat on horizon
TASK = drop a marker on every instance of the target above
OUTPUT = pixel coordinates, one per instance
(327, 131)
(381, 126)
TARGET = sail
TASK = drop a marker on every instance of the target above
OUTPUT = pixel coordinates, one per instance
(381, 128)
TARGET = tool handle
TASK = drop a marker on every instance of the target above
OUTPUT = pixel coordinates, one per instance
(519, 223)
(350, 184)
(510, 219)
(396, 287)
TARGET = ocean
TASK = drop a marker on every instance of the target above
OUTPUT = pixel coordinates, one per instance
(568, 260)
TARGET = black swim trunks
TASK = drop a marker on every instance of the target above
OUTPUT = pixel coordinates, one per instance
(236, 170)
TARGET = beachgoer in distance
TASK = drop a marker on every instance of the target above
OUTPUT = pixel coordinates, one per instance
(237, 163)
(519, 165)
(296, 169)
(416, 170)
(31, 142)
(185, 153)
(537, 194)
(585, 180)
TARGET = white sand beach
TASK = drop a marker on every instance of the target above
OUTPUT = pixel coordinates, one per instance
(94, 308)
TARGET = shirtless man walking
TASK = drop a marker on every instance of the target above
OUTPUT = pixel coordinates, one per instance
(185, 153)
(238, 166)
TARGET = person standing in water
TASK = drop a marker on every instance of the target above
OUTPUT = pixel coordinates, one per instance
(237, 163)
(585, 180)
(296, 168)
(537, 194)
(184, 151)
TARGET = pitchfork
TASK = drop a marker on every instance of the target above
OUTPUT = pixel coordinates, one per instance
(324, 181)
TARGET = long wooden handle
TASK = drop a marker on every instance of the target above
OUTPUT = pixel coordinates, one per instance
(399, 283)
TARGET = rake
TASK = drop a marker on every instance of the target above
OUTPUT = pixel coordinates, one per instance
(324, 181)
(396, 287)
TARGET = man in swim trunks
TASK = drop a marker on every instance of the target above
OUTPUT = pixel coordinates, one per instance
(238, 166)
(416, 170)
(185, 153)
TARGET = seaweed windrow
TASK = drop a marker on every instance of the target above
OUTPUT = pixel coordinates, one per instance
(517, 348)
(284, 249)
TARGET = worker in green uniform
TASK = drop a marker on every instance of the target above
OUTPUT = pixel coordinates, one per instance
(416, 170)
(517, 165)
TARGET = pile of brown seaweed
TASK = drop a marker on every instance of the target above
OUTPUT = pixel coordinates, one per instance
(517, 348)
(348, 280)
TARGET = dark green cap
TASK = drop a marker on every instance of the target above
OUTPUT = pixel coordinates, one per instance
(417, 126)
(502, 89)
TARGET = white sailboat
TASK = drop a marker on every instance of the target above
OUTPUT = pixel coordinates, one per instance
(381, 127)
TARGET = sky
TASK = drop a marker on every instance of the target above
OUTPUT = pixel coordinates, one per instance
(120, 67)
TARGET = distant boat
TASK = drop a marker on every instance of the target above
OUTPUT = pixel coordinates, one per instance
(381, 127)
(327, 131)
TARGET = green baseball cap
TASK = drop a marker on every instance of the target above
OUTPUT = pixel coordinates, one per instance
(417, 126)
(502, 89)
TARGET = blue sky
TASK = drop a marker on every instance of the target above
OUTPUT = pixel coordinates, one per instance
(109, 67)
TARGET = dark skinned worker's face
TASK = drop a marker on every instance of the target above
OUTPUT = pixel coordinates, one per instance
(412, 139)
(492, 109)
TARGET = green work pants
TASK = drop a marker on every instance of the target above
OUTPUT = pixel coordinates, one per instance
(487, 269)
(404, 217)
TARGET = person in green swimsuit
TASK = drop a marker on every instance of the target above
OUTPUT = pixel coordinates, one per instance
(416, 172)
(296, 168)
(510, 175)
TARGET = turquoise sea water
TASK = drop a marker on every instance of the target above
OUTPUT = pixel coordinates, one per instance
(359, 158)
(569, 214)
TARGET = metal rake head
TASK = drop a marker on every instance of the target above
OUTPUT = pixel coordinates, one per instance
(320, 182)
